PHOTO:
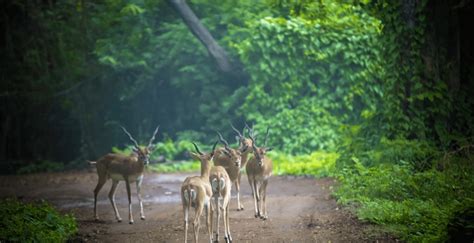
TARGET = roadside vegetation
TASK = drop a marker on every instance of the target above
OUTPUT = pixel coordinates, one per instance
(34, 222)
(370, 92)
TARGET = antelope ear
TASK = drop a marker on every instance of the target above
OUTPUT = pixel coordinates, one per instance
(268, 149)
(210, 155)
(151, 148)
(194, 156)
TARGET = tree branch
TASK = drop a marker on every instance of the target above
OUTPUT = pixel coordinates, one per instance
(198, 30)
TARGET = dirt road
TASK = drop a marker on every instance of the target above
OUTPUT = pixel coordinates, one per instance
(300, 210)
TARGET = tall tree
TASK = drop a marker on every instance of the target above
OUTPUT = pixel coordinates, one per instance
(198, 30)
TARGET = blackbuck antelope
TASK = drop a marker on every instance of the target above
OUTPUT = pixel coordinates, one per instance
(196, 192)
(123, 168)
(245, 147)
(221, 187)
(230, 159)
(259, 169)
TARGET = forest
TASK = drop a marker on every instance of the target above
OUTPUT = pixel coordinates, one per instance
(377, 94)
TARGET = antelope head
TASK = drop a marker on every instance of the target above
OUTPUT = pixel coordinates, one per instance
(259, 152)
(142, 153)
(202, 156)
(234, 155)
(244, 143)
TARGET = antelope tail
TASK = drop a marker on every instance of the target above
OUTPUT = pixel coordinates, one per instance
(92, 162)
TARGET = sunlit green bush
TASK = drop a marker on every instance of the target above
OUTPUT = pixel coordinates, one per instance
(318, 163)
(25, 222)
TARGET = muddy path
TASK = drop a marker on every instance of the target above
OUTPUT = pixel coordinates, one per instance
(300, 210)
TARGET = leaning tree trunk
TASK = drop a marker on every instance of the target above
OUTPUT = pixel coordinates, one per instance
(198, 30)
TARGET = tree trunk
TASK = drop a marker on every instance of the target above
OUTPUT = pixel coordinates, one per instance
(198, 30)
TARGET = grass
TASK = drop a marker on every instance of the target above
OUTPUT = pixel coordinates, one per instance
(178, 166)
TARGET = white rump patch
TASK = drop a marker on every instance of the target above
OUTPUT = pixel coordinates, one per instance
(214, 185)
(222, 183)
(193, 195)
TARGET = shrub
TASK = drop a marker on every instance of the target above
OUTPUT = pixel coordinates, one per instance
(41, 166)
(417, 205)
(419, 153)
(318, 163)
(25, 222)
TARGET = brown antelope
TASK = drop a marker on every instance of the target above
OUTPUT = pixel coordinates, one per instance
(245, 147)
(259, 169)
(120, 167)
(196, 191)
(230, 159)
(221, 187)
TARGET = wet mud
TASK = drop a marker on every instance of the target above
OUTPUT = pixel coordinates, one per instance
(299, 210)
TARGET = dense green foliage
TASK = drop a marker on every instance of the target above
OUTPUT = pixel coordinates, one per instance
(26, 222)
(310, 73)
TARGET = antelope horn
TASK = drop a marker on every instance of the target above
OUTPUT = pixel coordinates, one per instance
(254, 146)
(131, 138)
(197, 149)
(226, 145)
(250, 131)
(251, 135)
(235, 129)
(214, 148)
(153, 137)
(247, 126)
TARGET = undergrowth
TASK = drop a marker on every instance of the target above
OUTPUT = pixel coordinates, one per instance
(418, 205)
(26, 222)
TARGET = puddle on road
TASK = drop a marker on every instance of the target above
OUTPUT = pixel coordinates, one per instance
(147, 200)
(168, 184)
(166, 178)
